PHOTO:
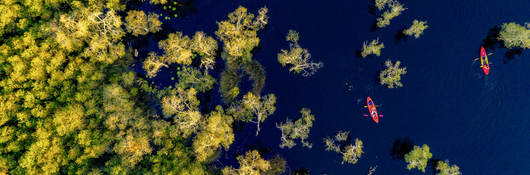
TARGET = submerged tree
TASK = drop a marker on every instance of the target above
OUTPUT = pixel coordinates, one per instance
(444, 168)
(395, 10)
(192, 77)
(350, 153)
(153, 64)
(380, 4)
(391, 76)
(373, 48)
(298, 57)
(416, 29)
(258, 108)
(216, 133)
(249, 164)
(514, 35)
(206, 47)
(418, 157)
(298, 130)
(277, 166)
(138, 23)
(239, 32)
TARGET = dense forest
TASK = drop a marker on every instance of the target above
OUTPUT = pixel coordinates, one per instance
(70, 102)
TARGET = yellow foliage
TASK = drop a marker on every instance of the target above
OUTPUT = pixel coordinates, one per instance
(216, 133)
(177, 50)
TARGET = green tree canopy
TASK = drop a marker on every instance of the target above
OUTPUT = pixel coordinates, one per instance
(350, 153)
(391, 76)
(514, 35)
(249, 164)
(395, 10)
(416, 29)
(297, 57)
(374, 47)
(216, 133)
(258, 107)
(298, 130)
(239, 32)
(444, 168)
(418, 157)
(138, 23)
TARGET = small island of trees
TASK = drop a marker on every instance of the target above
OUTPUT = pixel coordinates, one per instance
(391, 76)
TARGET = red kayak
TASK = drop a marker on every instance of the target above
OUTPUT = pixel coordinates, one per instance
(484, 58)
(371, 108)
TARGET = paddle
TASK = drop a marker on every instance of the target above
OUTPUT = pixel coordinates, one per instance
(476, 59)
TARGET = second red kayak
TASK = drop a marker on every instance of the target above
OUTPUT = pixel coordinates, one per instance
(371, 108)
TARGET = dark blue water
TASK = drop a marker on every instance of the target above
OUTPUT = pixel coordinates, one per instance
(480, 123)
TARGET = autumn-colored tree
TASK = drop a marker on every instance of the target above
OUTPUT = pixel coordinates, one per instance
(416, 29)
(514, 35)
(258, 107)
(249, 164)
(418, 157)
(215, 134)
(391, 76)
(374, 47)
(138, 23)
(277, 166)
(298, 130)
(239, 32)
(297, 57)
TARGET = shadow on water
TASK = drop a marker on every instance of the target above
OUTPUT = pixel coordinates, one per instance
(400, 36)
(433, 163)
(301, 171)
(491, 42)
(371, 9)
(401, 147)
(511, 54)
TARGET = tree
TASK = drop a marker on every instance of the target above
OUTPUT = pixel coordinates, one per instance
(391, 76)
(249, 164)
(418, 157)
(138, 23)
(177, 49)
(380, 4)
(239, 32)
(192, 77)
(298, 57)
(514, 35)
(277, 166)
(444, 168)
(183, 105)
(395, 10)
(216, 133)
(416, 29)
(153, 64)
(350, 153)
(298, 130)
(373, 48)
(206, 47)
(258, 107)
